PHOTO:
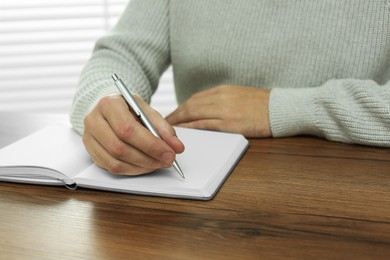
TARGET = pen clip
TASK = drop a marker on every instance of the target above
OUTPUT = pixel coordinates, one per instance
(127, 96)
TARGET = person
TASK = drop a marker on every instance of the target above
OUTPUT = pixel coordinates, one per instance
(260, 68)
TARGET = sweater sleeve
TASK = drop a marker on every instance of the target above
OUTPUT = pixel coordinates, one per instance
(349, 110)
(136, 49)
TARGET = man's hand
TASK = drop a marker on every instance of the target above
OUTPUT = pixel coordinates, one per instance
(226, 108)
(118, 142)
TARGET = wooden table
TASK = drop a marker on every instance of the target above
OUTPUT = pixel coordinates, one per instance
(296, 197)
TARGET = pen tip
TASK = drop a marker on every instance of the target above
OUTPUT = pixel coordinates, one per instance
(180, 172)
(114, 76)
(177, 168)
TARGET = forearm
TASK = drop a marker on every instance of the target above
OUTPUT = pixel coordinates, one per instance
(351, 111)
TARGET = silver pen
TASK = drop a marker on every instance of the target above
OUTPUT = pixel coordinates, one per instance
(140, 114)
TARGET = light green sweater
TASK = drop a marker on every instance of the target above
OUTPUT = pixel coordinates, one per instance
(327, 62)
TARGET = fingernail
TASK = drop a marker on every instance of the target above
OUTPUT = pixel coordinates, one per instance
(167, 157)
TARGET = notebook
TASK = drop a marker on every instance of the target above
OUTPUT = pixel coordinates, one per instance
(55, 155)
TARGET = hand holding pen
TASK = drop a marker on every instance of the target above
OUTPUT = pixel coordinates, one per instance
(117, 140)
(139, 113)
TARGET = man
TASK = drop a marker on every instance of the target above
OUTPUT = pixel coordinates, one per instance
(261, 68)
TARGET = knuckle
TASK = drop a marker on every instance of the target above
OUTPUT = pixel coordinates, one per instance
(104, 101)
(125, 130)
(105, 104)
(117, 149)
(88, 121)
(115, 167)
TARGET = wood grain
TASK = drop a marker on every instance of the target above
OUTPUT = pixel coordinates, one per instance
(292, 198)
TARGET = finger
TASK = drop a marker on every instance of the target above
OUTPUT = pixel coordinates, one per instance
(175, 143)
(129, 130)
(193, 110)
(121, 150)
(165, 130)
(208, 124)
(104, 160)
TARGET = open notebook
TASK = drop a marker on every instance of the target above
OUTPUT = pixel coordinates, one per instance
(55, 155)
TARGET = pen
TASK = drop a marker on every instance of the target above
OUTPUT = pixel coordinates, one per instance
(140, 114)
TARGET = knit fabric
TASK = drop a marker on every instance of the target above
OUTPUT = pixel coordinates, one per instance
(327, 62)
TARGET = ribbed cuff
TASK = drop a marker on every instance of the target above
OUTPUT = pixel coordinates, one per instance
(293, 112)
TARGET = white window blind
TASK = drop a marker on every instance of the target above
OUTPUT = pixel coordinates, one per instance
(44, 45)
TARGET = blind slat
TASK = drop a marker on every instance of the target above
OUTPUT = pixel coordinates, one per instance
(33, 37)
(28, 4)
(41, 72)
(26, 50)
(47, 60)
(75, 24)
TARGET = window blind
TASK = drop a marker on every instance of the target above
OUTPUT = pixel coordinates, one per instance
(44, 45)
